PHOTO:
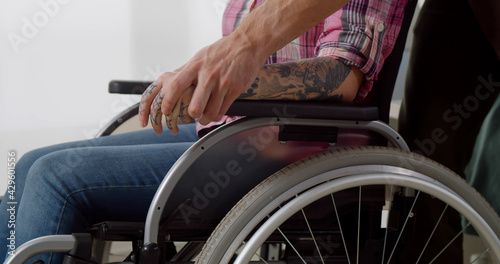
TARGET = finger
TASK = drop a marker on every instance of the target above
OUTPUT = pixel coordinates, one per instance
(214, 104)
(175, 87)
(183, 115)
(171, 119)
(156, 114)
(229, 98)
(145, 105)
(224, 107)
(201, 95)
(203, 120)
(183, 110)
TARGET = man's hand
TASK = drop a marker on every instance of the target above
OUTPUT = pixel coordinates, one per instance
(205, 87)
(219, 73)
(150, 106)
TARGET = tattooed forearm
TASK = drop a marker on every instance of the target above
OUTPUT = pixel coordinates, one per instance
(309, 79)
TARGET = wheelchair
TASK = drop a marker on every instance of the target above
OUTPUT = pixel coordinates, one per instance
(293, 182)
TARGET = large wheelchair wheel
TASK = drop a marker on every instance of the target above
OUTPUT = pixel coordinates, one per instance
(347, 206)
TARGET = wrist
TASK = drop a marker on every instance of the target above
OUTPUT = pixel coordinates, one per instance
(251, 45)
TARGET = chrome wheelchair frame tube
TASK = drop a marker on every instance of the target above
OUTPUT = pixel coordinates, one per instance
(55, 243)
(121, 118)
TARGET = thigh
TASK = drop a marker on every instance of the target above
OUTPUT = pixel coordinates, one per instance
(108, 183)
(187, 133)
(83, 148)
(100, 183)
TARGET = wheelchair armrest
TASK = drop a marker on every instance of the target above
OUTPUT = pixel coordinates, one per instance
(304, 109)
(275, 108)
(127, 87)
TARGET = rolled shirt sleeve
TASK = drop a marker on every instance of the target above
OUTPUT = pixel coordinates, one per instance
(362, 34)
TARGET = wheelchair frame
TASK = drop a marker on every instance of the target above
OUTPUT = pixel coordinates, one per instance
(150, 252)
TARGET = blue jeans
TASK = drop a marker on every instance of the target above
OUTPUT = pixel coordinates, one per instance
(66, 188)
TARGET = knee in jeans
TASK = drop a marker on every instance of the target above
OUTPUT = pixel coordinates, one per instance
(27, 160)
(51, 168)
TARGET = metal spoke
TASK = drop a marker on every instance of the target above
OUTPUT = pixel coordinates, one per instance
(340, 227)
(263, 260)
(387, 227)
(359, 225)
(312, 236)
(482, 254)
(447, 245)
(432, 234)
(404, 225)
(289, 243)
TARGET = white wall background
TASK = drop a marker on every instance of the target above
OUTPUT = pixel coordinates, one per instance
(57, 57)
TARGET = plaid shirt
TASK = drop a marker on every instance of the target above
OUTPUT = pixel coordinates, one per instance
(362, 34)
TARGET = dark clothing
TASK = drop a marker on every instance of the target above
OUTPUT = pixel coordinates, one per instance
(452, 82)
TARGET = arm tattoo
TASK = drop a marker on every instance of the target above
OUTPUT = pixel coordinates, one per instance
(309, 79)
